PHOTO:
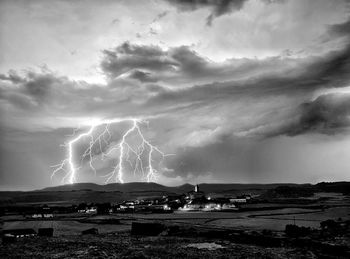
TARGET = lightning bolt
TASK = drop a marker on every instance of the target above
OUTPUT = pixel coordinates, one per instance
(102, 140)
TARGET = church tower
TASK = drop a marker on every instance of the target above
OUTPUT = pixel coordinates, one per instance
(196, 188)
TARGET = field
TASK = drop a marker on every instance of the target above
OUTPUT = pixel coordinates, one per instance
(125, 246)
(115, 241)
(275, 220)
(335, 206)
(67, 227)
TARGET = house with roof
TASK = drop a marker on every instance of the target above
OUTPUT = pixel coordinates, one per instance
(19, 233)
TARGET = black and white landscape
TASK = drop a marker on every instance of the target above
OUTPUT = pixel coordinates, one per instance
(175, 129)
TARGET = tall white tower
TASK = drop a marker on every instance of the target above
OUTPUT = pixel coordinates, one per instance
(196, 188)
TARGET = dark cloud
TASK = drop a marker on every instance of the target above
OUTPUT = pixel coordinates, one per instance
(186, 81)
(225, 6)
(12, 77)
(36, 86)
(181, 65)
(328, 114)
(177, 62)
(39, 86)
(51, 95)
(336, 32)
(189, 62)
(228, 82)
(127, 57)
(304, 77)
(218, 7)
(160, 16)
(341, 29)
(174, 62)
(333, 69)
(143, 76)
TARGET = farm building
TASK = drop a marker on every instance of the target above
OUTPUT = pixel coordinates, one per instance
(18, 233)
(88, 210)
(42, 215)
(42, 212)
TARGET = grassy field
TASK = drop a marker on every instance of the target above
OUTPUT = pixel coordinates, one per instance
(126, 246)
(115, 241)
(254, 220)
(67, 227)
(264, 217)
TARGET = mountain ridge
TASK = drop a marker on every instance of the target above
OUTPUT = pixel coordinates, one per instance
(151, 186)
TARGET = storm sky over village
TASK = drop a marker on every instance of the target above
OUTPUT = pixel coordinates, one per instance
(241, 91)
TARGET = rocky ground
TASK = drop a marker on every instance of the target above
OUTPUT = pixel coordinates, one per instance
(123, 245)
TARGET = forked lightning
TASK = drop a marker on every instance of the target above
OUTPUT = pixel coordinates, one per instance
(143, 150)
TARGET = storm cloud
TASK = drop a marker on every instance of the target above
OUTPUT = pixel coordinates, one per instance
(152, 79)
(328, 114)
(218, 7)
(215, 98)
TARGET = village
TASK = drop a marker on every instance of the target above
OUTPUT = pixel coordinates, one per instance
(195, 200)
(192, 201)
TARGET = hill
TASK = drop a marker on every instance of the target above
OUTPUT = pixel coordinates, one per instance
(121, 187)
(155, 187)
(116, 192)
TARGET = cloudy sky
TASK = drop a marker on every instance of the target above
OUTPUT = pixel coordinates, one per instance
(237, 91)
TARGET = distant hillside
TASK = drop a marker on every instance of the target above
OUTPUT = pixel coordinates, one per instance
(116, 192)
(342, 187)
(222, 188)
(121, 187)
(155, 187)
(75, 187)
(90, 192)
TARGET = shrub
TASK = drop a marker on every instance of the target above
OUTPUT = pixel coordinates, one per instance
(296, 231)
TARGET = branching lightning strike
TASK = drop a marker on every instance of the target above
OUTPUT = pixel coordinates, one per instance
(144, 149)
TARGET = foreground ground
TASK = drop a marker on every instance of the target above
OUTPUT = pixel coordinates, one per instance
(275, 220)
(123, 245)
(267, 220)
